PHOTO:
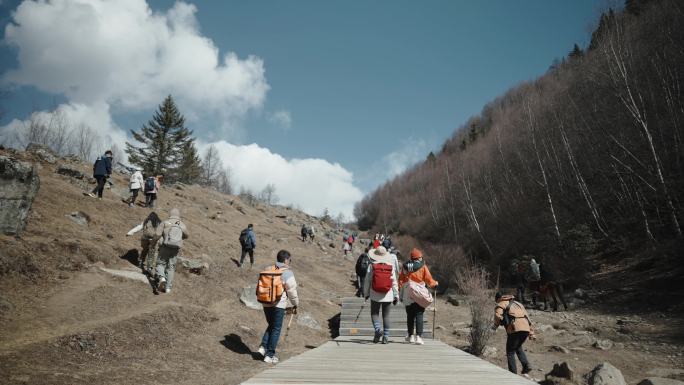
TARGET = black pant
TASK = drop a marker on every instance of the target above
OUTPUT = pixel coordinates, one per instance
(101, 179)
(244, 253)
(150, 198)
(414, 316)
(514, 345)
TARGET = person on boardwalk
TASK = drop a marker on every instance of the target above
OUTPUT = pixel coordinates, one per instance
(513, 316)
(102, 170)
(152, 185)
(380, 285)
(135, 185)
(172, 232)
(148, 242)
(414, 278)
(248, 244)
(274, 306)
(362, 264)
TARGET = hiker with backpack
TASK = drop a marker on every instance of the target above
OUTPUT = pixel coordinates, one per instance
(275, 288)
(348, 244)
(135, 184)
(380, 285)
(304, 232)
(512, 315)
(248, 244)
(148, 243)
(414, 278)
(152, 184)
(362, 264)
(387, 243)
(171, 232)
(102, 170)
(311, 232)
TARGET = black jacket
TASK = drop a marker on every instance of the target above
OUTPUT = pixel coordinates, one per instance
(102, 166)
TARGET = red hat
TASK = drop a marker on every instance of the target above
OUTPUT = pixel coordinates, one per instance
(416, 254)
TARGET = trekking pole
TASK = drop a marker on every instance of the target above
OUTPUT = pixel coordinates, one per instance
(434, 314)
(287, 331)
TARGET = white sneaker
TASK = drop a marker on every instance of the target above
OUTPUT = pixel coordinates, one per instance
(168, 290)
(407, 338)
(419, 340)
(92, 195)
(262, 351)
(271, 360)
(413, 339)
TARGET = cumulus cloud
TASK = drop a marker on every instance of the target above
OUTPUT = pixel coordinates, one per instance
(123, 54)
(409, 153)
(312, 184)
(282, 118)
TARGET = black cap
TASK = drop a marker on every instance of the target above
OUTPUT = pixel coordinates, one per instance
(498, 296)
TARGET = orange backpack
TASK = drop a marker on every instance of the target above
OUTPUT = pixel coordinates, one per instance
(270, 286)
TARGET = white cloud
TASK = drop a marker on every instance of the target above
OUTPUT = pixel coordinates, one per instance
(282, 118)
(121, 53)
(411, 152)
(312, 184)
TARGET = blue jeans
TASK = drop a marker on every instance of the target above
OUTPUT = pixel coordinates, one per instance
(274, 317)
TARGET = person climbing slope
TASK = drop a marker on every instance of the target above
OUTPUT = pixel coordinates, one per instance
(380, 285)
(135, 184)
(414, 278)
(102, 170)
(512, 315)
(148, 242)
(247, 244)
(172, 233)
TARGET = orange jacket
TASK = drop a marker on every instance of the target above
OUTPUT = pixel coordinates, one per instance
(422, 275)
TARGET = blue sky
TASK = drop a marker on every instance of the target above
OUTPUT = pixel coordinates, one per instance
(371, 85)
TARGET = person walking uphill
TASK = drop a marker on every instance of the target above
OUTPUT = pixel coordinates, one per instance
(248, 244)
(276, 287)
(148, 255)
(172, 233)
(513, 316)
(380, 285)
(415, 275)
(135, 185)
(102, 169)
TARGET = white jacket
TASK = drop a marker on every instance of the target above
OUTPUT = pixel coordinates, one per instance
(368, 284)
(137, 180)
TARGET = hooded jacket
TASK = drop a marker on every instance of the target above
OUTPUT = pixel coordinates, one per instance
(102, 166)
(521, 323)
(137, 180)
(419, 275)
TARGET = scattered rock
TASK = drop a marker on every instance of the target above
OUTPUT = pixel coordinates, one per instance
(562, 370)
(43, 153)
(70, 172)
(489, 351)
(660, 381)
(603, 344)
(583, 340)
(306, 319)
(19, 184)
(543, 327)
(455, 299)
(248, 298)
(79, 217)
(560, 349)
(331, 245)
(581, 294)
(605, 374)
(194, 266)
(128, 274)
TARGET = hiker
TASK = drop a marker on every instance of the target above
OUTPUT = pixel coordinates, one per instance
(534, 280)
(248, 244)
(135, 185)
(311, 232)
(414, 278)
(102, 170)
(148, 242)
(349, 244)
(376, 241)
(172, 233)
(380, 285)
(387, 243)
(513, 316)
(362, 264)
(152, 184)
(304, 232)
(549, 288)
(275, 306)
(520, 279)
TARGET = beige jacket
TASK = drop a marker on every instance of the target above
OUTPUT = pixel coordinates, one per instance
(517, 310)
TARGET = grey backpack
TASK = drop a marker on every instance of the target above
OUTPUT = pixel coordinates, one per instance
(174, 237)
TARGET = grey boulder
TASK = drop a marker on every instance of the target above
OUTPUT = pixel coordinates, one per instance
(248, 298)
(605, 374)
(19, 184)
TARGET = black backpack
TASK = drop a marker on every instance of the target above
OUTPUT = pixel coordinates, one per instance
(244, 237)
(150, 184)
(362, 264)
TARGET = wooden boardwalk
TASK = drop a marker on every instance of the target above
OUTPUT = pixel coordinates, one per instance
(355, 319)
(357, 360)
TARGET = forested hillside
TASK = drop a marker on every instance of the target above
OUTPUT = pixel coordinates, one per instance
(586, 160)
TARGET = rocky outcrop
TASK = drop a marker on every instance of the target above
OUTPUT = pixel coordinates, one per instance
(194, 266)
(306, 319)
(43, 153)
(19, 184)
(605, 374)
(70, 172)
(248, 298)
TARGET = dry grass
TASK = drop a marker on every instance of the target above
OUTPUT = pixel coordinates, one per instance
(473, 280)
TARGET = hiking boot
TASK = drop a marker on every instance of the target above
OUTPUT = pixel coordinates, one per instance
(376, 338)
(526, 369)
(162, 285)
(385, 341)
(262, 351)
(419, 340)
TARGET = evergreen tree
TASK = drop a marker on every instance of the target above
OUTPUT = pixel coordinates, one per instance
(163, 140)
(190, 168)
(575, 53)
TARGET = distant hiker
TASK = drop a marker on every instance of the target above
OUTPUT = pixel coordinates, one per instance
(535, 280)
(248, 244)
(275, 288)
(348, 244)
(148, 242)
(152, 184)
(387, 243)
(102, 170)
(172, 233)
(362, 264)
(513, 316)
(304, 232)
(311, 232)
(520, 279)
(135, 185)
(376, 241)
(380, 285)
(550, 289)
(414, 278)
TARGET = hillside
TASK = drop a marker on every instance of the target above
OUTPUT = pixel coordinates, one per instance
(66, 321)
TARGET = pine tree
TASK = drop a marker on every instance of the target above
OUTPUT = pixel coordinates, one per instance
(163, 140)
(189, 170)
(576, 52)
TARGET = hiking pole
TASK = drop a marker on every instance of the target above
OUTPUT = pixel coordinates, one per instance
(287, 331)
(434, 314)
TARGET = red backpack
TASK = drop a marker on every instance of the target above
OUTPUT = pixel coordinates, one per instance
(382, 277)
